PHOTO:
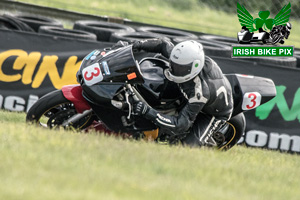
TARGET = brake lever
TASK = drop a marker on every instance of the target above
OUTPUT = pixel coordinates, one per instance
(132, 92)
(129, 104)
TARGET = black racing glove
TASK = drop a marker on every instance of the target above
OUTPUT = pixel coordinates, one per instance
(120, 44)
(136, 46)
(156, 45)
(140, 108)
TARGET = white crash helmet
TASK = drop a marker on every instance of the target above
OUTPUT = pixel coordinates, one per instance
(186, 61)
(289, 25)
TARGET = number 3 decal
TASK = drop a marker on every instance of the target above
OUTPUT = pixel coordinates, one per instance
(92, 74)
(251, 100)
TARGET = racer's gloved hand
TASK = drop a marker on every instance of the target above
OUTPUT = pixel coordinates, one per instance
(140, 108)
(119, 44)
(136, 46)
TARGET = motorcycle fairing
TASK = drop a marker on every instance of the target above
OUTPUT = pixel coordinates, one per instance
(101, 94)
(259, 89)
(119, 67)
(112, 118)
(109, 115)
(115, 66)
(74, 94)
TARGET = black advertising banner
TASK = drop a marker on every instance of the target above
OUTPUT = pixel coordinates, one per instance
(32, 65)
(275, 124)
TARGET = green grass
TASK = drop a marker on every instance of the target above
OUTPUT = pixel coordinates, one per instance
(54, 164)
(195, 17)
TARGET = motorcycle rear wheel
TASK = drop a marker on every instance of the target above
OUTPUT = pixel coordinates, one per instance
(53, 109)
(235, 129)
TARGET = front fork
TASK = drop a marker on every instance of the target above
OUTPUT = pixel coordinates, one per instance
(131, 92)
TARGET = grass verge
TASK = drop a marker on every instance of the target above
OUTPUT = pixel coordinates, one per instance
(54, 164)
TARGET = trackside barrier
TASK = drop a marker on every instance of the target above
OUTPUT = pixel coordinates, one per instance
(33, 64)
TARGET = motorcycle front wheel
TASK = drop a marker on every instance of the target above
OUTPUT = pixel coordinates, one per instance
(53, 109)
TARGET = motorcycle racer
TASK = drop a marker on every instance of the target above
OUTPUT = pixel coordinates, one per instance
(280, 32)
(201, 81)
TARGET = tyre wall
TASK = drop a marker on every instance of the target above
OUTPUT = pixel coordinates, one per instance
(34, 62)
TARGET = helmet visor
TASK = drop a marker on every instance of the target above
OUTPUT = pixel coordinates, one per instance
(180, 70)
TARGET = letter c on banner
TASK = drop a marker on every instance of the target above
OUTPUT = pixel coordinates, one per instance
(256, 138)
(21, 58)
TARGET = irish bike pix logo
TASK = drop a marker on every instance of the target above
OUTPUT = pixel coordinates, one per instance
(263, 36)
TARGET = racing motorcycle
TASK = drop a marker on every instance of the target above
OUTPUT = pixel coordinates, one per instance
(111, 80)
(279, 33)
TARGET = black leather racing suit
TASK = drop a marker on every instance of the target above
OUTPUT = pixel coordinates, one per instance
(209, 104)
(278, 33)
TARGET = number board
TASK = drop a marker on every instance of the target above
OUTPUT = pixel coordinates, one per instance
(92, 74)
(251, 100)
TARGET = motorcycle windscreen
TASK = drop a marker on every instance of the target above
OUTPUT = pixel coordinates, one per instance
(114, 66)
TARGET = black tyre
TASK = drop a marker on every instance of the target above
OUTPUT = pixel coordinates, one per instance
(133, 36)
(297, 56)
(168, 32)
(35, 21)
(12, 23)
(103, 30)
(288, 62)
(211, 48)
(62, 32)
(220, 39)
(233, 131)
(53, 109)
